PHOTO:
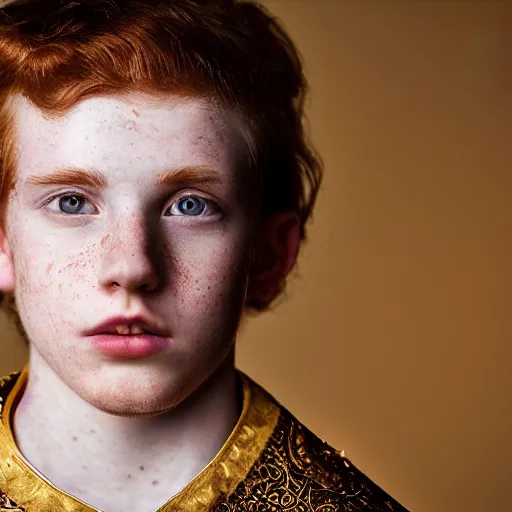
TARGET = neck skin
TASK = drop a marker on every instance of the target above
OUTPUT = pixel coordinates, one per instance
(114, 463)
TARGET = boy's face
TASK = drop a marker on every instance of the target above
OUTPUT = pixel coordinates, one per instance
(132, 246)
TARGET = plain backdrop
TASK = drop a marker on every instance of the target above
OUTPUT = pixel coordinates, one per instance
(394, 341)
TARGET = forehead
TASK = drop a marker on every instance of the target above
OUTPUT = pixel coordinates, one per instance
(128, 134)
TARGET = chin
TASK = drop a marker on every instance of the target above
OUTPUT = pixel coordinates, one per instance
(133, 410)
(145, 396)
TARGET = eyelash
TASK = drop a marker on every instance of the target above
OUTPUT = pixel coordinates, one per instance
(69, 193)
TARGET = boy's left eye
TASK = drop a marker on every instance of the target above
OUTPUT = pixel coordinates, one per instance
(191, 205)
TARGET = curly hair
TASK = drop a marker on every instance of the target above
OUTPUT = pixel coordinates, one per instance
(58, 52)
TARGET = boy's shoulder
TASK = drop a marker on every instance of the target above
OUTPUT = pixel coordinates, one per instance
(298, 471)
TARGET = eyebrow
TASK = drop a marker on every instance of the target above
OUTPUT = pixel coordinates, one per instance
(72, 176)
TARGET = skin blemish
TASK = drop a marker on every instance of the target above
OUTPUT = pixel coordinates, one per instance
(129, 476)
(49, 267)
(92, 431)
(136, 112)
(155, 482)
(74, 438)
(141, 468)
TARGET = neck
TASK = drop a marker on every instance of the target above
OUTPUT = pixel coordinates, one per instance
(88, 453)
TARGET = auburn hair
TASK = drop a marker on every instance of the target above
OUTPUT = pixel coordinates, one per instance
(58, 52)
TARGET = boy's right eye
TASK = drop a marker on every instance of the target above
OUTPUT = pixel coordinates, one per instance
(69, 203)
(74, 201)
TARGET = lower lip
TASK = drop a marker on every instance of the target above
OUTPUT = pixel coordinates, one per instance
(131, 346)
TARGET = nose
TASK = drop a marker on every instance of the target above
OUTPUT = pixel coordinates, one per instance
(127, 260)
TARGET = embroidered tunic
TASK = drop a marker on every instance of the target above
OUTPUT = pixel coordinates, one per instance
(269, 463)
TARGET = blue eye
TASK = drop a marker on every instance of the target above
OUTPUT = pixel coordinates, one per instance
(73, 201)
(191, 206)
(69, 203)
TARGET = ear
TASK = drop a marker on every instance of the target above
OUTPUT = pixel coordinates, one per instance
(7, 279)
(275, 254)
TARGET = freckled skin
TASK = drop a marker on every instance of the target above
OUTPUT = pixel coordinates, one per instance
(73, 271)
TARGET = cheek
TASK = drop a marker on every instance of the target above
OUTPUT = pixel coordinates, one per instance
(53, 285)
(45, 269)
(208, 272)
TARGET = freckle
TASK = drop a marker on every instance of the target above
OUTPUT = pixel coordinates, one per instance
(92, 431)
(141, 468)
(129, 476)
(84, 467)
(155, 482)
(74, 438)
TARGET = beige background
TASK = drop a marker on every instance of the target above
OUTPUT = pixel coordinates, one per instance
(394, 343)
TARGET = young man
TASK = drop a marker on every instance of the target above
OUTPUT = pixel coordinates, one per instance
(155, 186)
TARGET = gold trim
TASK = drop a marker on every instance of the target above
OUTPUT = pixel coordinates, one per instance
(258, 419)
(235, 459)
(18, 478)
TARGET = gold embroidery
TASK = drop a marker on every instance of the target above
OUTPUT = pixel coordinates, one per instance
(221, 477)
(298, 472)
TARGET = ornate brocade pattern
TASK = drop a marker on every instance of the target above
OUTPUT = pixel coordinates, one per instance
(298, 472)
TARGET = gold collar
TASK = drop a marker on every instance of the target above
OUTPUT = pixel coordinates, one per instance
(29, 489)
